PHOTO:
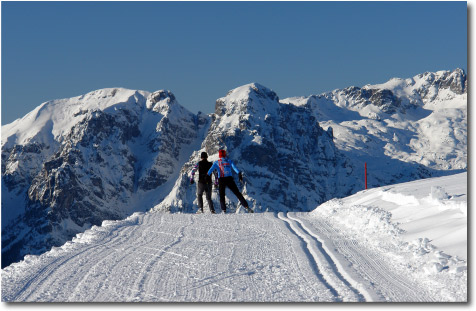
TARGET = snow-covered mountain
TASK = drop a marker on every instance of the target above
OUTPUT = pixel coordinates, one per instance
(289, 161)
(72, 163)
(404, 129)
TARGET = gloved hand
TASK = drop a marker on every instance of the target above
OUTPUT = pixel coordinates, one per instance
(192, 181)
(240, 176)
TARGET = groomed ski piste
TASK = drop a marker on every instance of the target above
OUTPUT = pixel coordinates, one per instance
(399, 243)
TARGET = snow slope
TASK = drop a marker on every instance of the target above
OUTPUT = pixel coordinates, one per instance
(360, 248)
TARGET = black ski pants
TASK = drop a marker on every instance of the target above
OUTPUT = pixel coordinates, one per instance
(223, 183)
(207, 188)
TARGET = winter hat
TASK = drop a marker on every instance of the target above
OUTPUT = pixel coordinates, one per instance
(221, 153)
(204, 155)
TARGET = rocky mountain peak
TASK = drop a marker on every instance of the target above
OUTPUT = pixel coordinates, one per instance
(165, 104)
(251, 98)
(161, 101)
(403, 95)
(53, 120)
(455, 80)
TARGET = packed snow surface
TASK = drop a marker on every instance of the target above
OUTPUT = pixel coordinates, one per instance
(401, 243)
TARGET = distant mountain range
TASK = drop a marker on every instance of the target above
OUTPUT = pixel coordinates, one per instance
(72, 163)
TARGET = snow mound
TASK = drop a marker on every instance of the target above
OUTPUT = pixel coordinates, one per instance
(421, 223)
(421, 226)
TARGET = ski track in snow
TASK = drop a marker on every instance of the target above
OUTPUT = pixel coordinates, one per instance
(378, 280)
(325, 267)
(161, 257)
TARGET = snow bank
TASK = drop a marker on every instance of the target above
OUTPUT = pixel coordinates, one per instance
(420, 225)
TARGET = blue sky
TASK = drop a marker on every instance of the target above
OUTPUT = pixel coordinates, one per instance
(201, 50)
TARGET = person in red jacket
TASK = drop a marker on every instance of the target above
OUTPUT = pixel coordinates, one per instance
(224, 166)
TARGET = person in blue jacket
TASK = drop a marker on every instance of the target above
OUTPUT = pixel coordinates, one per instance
(224, 166)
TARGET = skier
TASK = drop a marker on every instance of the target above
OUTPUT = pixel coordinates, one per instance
(204, 182)
(224, 167)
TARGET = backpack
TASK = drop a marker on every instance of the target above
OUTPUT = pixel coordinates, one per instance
(225, 167)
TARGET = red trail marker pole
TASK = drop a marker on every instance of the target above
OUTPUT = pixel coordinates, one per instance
(365, 175)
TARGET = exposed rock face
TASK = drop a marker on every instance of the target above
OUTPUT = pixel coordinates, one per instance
(456, 81)
(385, 100)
